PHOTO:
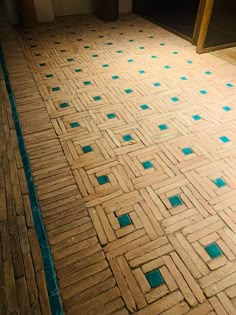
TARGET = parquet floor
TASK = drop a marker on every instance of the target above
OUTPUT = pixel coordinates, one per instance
(132, 141)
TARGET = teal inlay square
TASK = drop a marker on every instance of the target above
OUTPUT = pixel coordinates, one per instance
(74, 124)
(124, 220)
(70, 59)
(56, 88)
(187, 151)
(78, 70)
(102, 180)
(175, 99)
(183, 78)
(101, 36)
(37, 54)
(175, 53)
(203, 92)
(131, 40)
(224, 139)
(154, 278)
(119, 51)
(95, 56)
(147, 165)
(49, 76)
(154, 57)
(208, 72)
(128, 91)
(97, 98)
(196, 117)
(64, 105)
(105, 65)
(63, 50)
(189, 62)
(87, 149)
(109, 44)
(175, 201)
(162, 44)
(86, 47)
(219, 182)
(142, 47)
(157, 84)
(115, 77)
(167, 67)
(127, 138)
(144, 107)
(130, 60)
(142, 71)
(42, 64)
(86, 83)
(227, 108)
(163, 127)
(111, 115)
(229, 85)
(213, 250)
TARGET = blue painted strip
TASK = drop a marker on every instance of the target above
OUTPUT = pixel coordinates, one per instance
(50, 274)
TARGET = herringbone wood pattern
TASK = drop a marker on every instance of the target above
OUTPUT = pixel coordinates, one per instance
(131, 136)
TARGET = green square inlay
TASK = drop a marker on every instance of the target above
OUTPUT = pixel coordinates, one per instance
(37, 54)
(78, 70)
(187, 151)
(183, 78)
(142, 71)
(127, 138)
(105, 65)
(64, 105)
(124, 220)
(70, 59)
(119, 51)
(95, 56)
(196, 117)
(87, 149)
(162, 44)
(175, 201)
(42, 64)
(86, 83)
(208, 72)
(49, 76)
(63, 50)
(203, 92)
(147, 165)
(219, 182)
(130, 60)
(163, 127)
(115, 77)
(86, 47)
(56, 88)
(111, 115)
(97, 98)
(101, 36)
(224, 139)
(175, 53)
(142, 47)
(189, 62)
(167, 67)
(157, 84)
(227, 108)
(102, 180)
(144, 107)
(128, 91)
(175, 99)
(213, 250)
(56, 43)
(229, 85)
(154, 57)
(80, 39)
(154, 278)
(109, 44)
(74, 124)
(131, 40)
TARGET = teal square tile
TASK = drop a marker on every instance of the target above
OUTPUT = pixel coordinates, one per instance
(187, 151)
(142, 47)
(119, 51)
(183, 78)
(154, 278)
(124, 220)
(49, 76)
(130, 60)
(154, 56)
(213, 250)
(203, 92)
(87, 149)
(142, 71)
(229, 85)
(109, 44)
(102, 180)
(219, 182)
(147, 165)
(208, 72)
(78, 70)
(74, 124)
(196, 117)
(37, 54)
(64, 105)
(101, 36)
(97, 98)
(111, 116)
(189, 62)
(163, 127)
(175, 53)
(162, 44)
(175, 99)
(115, 77)
(167, 67)
(131, 40)
(227, 108)
(56, 88)
(86, 83)
(86, 47)
(128, 91)
(70, 59)
(157, 84)
(43, 64)
(144, 107)
(127, 138)
(105, 65)
(63, 50)
(175, 201)
(95, 56)
(224, 139)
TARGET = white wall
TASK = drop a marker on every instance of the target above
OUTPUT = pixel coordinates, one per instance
(71, 7)
(44, 10)
(125, 6)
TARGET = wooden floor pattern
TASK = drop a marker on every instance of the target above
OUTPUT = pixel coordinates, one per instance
(132, 141)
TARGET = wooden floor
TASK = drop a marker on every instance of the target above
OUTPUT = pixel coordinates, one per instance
(132, 141)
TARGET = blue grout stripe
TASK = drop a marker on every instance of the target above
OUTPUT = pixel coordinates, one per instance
(50, 273)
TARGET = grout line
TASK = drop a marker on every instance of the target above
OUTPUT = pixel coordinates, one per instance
(50, 273)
